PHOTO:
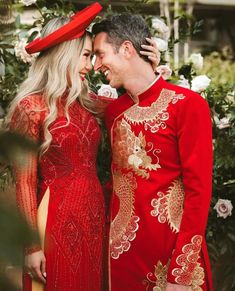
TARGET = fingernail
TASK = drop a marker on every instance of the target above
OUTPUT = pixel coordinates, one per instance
(44, 274)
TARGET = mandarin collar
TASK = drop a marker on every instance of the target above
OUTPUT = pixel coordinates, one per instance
(153, 88)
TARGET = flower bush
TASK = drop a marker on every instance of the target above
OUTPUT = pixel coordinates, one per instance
(213, 76)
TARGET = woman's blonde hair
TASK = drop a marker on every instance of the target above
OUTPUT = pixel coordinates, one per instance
(48, 77)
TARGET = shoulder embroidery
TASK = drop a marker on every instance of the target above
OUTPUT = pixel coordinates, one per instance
(153, 117)
(132, 152)
(125, 225)
(169, 207)
(188, 262)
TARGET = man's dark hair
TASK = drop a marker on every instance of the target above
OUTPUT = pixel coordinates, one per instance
(123, 27)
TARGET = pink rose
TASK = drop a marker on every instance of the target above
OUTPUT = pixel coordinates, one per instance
(224, 208)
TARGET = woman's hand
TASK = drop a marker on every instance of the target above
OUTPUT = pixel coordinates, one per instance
(35, 265)
(152, 52)
(177, 287)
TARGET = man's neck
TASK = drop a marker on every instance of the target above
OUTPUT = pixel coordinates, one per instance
(139, 80)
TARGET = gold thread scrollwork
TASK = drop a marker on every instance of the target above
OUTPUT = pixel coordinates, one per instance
(169, 207)
(157, 280)
(154, 116)
(125, 224)
(190, 272)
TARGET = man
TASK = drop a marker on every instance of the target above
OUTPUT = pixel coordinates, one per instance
(161, 168)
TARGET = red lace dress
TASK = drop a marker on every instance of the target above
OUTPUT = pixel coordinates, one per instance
(65, 186)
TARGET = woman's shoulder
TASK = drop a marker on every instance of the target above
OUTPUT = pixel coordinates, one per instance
(33, 102)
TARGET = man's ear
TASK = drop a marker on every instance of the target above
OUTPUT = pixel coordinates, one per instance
(127, 49)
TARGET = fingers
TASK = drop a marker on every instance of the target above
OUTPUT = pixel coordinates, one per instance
(37, 275)
(149, 48)
(152, 42)
(35, 265)
(146, 53)
(43, 268)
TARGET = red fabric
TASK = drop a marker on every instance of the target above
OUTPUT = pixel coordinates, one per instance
(76, 220)
(74, 29)
(162, 176)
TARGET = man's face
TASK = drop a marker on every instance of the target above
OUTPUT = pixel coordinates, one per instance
(109, 61)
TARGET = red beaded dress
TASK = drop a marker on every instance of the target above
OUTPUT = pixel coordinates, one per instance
(64, 186)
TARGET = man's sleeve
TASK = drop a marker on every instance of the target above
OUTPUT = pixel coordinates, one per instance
(194, 133)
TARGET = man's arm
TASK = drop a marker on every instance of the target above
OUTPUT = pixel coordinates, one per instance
(194, 133)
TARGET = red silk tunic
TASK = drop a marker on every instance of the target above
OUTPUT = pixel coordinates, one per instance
(162, 174)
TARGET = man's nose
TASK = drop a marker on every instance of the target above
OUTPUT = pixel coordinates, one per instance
(97, 64)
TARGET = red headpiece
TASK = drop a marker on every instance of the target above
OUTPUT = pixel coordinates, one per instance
(74, 29)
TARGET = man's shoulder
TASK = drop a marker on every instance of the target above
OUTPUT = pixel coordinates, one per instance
(189, 96)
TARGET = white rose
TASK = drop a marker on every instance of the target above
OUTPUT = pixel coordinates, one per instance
(196, 60)
(162, 44)
(224, 208)
(222, 123)
(28, 2)
(200, 83)
(108, 91)
(183, 82)
(165, 71)
(162, 29)
(21, 53)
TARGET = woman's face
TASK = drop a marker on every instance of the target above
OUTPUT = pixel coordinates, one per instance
(85, 58)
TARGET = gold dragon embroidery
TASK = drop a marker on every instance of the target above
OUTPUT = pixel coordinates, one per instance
(124, 226)
(131, 151)
(169, 207)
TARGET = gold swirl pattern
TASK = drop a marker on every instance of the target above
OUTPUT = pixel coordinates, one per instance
(125, 225)
(169, 207)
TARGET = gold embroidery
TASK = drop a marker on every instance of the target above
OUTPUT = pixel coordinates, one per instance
(131, 151)
(198, 278)
(155, 115)
(169, 207)
(158, 278)
(157, 281)
(188, 262)
(124, 226)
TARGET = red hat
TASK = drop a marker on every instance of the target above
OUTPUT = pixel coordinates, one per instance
(74, 29)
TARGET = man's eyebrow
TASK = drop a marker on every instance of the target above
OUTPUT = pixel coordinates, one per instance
(97, 51)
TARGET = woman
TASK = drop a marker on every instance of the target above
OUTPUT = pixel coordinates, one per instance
(58, 191)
